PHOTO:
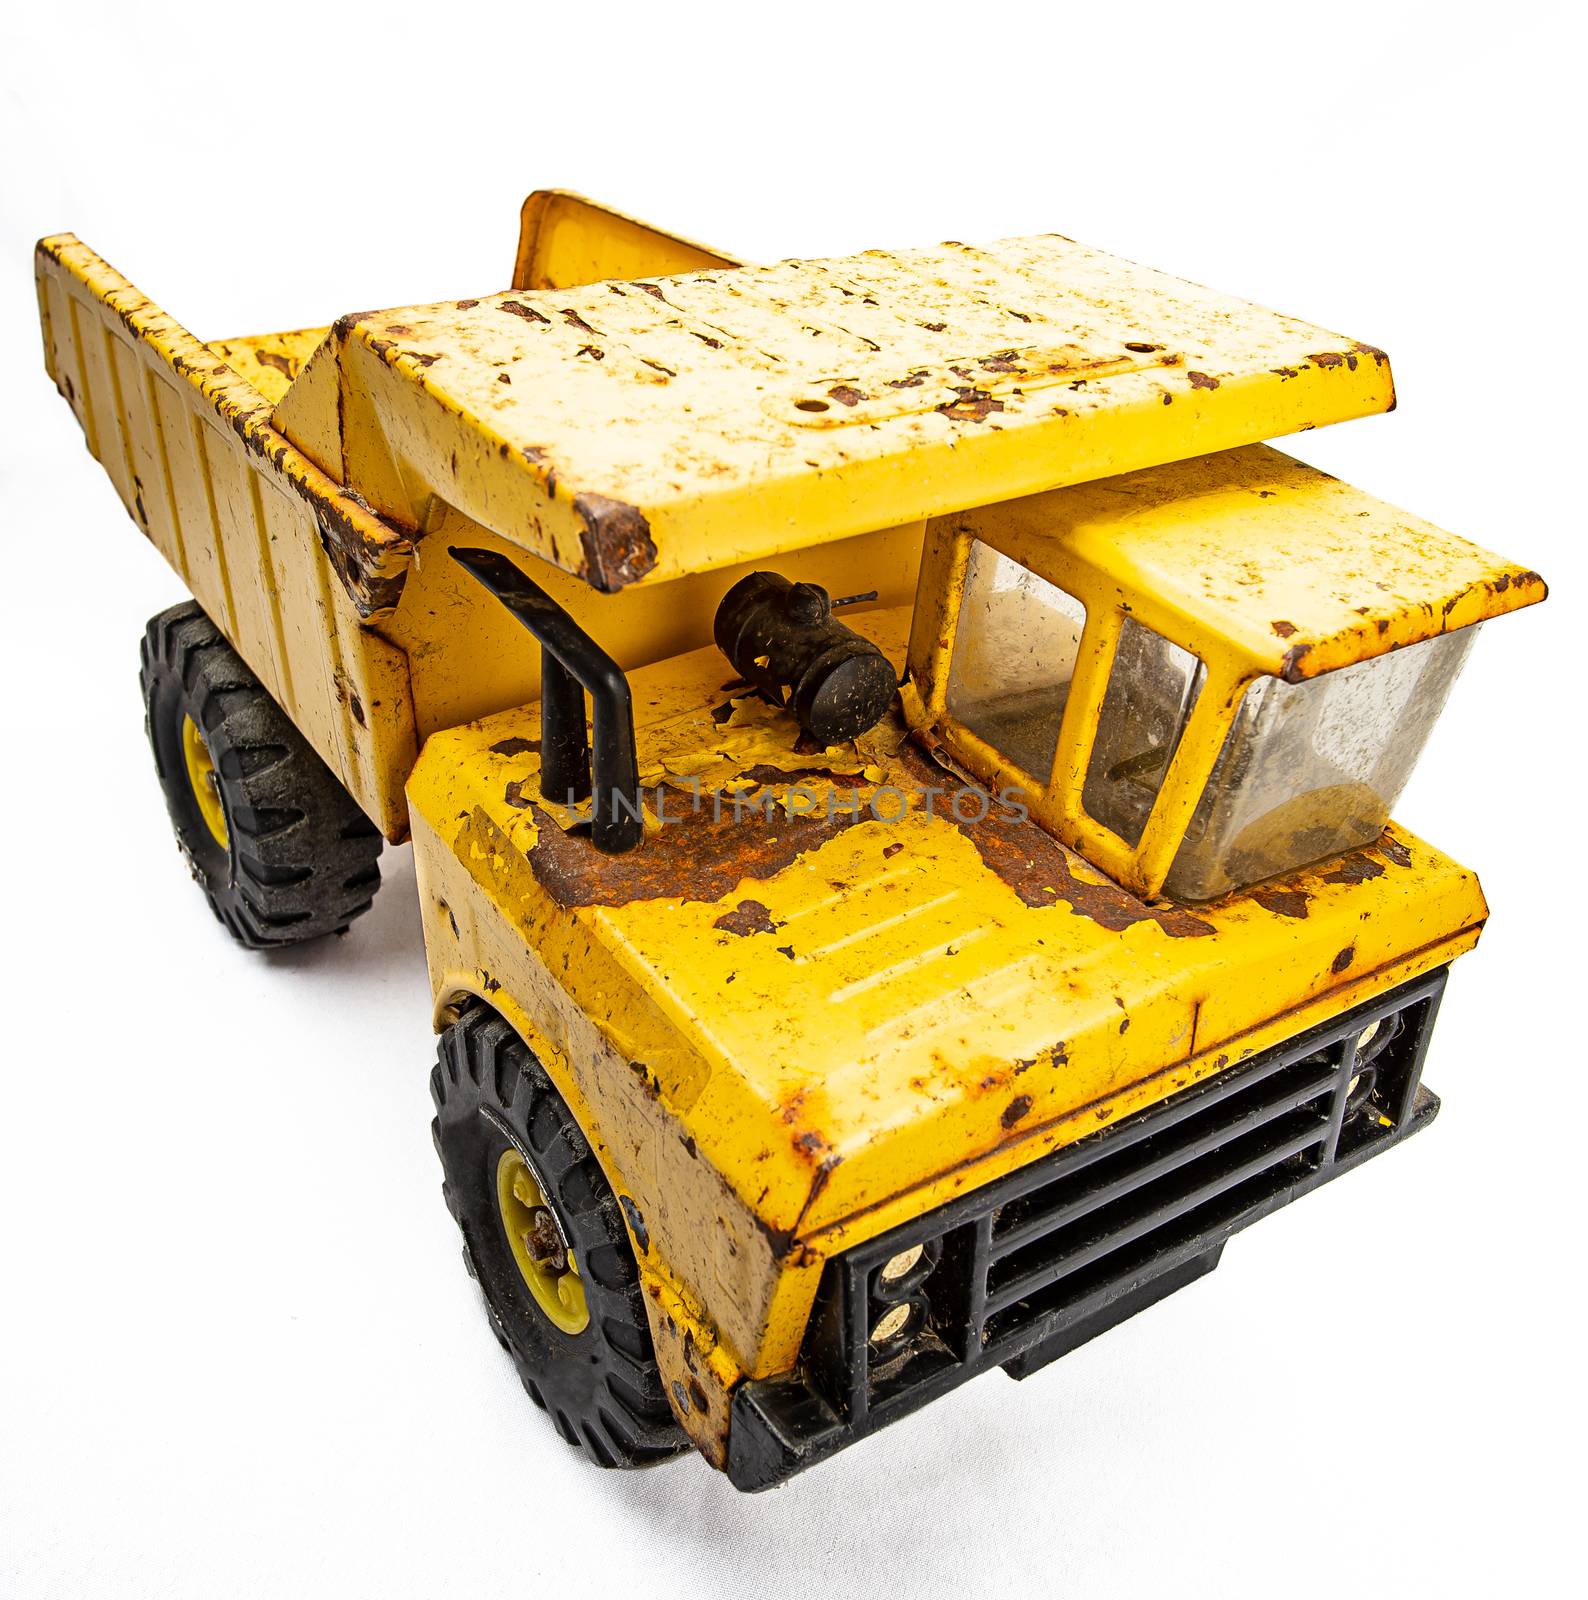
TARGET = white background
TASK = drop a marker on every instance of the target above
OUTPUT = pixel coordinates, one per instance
(238, 1352)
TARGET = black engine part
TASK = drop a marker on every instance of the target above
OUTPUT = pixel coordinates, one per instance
(783, 639)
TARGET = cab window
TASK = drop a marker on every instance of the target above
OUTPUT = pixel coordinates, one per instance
(1151, 690)
(1015, 650)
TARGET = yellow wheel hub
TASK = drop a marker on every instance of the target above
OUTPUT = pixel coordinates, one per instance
(548, 1267)
(204, 779)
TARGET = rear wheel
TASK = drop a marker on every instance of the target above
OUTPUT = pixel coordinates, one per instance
(544, 1238)
(278, 845)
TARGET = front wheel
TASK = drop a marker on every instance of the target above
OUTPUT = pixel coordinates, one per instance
(543, 1236)
(278, 845)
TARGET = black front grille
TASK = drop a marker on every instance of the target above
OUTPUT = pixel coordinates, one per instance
(1038, 1262)
(1064, 1245)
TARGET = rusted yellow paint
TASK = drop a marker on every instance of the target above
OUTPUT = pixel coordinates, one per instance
(252, 525)
(1255, 563)
(636, 431)
(844, 1027)
(565, 239)
(786, 1035)
(270, 361)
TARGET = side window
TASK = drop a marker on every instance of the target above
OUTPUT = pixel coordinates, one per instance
(1014, 654)
(1151, 690)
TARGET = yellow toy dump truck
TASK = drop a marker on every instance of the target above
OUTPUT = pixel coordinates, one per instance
(899, 777)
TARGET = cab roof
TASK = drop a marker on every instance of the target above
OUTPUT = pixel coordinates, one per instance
(635, 431)
(1291, 571)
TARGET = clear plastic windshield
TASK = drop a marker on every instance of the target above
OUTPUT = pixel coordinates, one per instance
(1310, 769)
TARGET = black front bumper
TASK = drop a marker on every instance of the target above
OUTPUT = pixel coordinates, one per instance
(1027, 1268)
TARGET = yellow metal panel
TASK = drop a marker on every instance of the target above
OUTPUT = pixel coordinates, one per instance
(1255, 559)
(917, 1005)
(370, 556)
(310, 413)
(564, 240)
(642, 430)
(469, 657)
(244, 518)
(270, 361)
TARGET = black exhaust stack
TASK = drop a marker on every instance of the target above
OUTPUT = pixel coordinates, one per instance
(572, 664)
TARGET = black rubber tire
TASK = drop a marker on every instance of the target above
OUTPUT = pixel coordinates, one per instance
(301, 859)
(601, 1386)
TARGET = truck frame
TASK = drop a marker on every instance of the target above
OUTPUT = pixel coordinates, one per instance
(808, 1047)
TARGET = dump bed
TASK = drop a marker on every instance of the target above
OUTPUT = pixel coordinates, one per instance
(285, 560)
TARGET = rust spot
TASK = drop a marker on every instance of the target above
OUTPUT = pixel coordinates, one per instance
(847, 395)
(891, 850)
(697, 1396)
(516, 747)
(1327, 358)
(574, 320)
(1200, 380)
(1015, 1110)
(1344, 959)
(1395, 851)
(1290, 664)
(617, 543)
(1282, 628)
(1043, 873)
(746, 918)
(1377, 356)
(1354, 868)
(1282, 902)
(517, 308)
(972, 405)
(285, 365)
(515, 796)
(700, 857)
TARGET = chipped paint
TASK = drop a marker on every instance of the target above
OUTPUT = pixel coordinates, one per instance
(847, 1021)
(817, 1002)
